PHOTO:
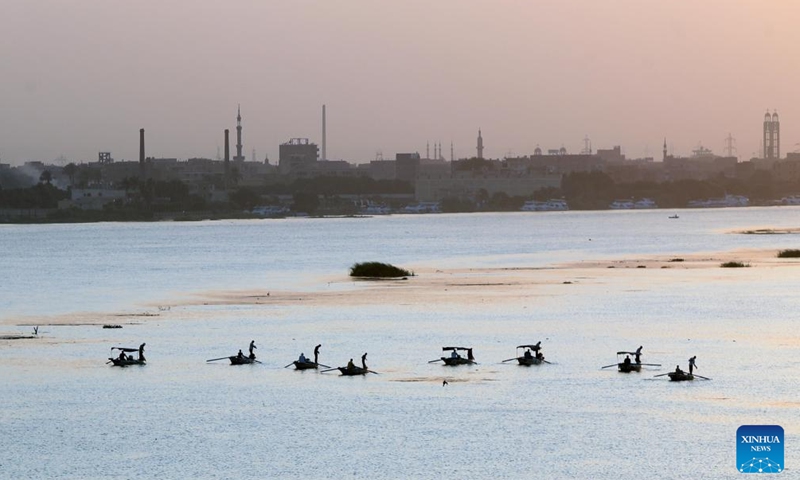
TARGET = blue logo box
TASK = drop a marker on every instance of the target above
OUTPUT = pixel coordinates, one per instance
(759, 449)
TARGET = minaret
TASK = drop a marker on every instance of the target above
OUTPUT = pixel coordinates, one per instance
(480, 145)
(238, 157)
(665, 149)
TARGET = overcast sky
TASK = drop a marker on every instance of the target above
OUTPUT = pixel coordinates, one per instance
(82, 76)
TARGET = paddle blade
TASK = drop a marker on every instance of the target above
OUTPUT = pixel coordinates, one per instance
(437, 360)
(287, 366)
(328, 370)
(612, 365)
(326, 366)
(508, 360)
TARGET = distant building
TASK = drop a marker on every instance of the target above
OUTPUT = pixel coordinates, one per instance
(407, 166)
(297, 157)
(772, 136)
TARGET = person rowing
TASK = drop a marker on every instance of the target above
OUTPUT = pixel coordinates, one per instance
(302, 358)
(141, 352)
(638, 354)
(316, 353)
(364, 360)
(678, 370)
(122, 357)
(240, 355)
(252, 346)
(454, 354)
(537, 347)
(351, 365)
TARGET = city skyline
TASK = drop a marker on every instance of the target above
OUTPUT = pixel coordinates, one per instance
(394, 77)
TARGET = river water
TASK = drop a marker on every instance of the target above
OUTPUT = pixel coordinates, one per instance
(64, 413)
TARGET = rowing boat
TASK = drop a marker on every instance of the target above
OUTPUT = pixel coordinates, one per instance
(680, 376)
(237, 360)
(353, 371)
(455, 359)
(305, 365)
(124, 363)
(528, 361)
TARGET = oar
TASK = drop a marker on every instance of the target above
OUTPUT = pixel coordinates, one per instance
(215, 359)
(612, 365)
(257, 361)
(326, 366)
(287, 366)
(545, 361)
(376, 373)
(700, 376)
(329, 370)
(663, 374)
(504, 361)
(651, 364)
(437, 360)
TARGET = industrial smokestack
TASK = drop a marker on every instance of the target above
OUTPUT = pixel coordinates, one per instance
(227, 148)
(141, 153)
(324, 155)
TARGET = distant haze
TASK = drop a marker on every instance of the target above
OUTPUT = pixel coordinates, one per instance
(83, 76)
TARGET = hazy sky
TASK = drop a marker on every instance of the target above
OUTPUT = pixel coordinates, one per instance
(82, 76)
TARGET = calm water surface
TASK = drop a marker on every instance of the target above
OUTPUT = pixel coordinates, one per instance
(65, 414)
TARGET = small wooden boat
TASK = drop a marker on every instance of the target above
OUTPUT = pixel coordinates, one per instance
(307, 365)
(124, 360)
(680, 376)
(455, 359)
(528, 361)
(112, 326)
(237, 360)
(118, 362)
(353, 371)
(529, 358)
(628, 367)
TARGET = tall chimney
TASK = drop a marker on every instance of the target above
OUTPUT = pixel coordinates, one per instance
(141, 153)
(324, 157)
(227, 158)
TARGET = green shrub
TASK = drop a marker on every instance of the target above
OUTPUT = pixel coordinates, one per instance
(734, 265)
(378, 270)
(789, 254)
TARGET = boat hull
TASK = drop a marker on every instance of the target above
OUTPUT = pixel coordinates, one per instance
(125, 363)
(305, 365)
(452, 362)
(529, 361)
(629, 367)
(235, 360)
(351, 372)
(680, 377)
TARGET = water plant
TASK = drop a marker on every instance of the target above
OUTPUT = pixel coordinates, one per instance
(378, 270)
(733, 264)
